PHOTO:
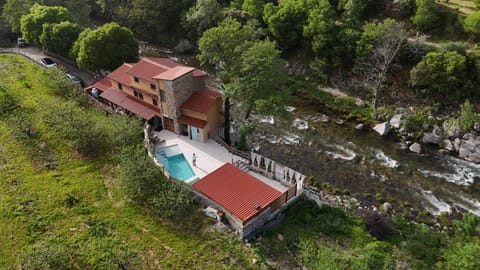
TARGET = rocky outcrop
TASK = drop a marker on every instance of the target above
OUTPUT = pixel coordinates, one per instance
(382, 129)
(476, 127)
(416, 148)
(396, 120)
(470, 148)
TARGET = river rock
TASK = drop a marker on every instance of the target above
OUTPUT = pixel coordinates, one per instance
(430, 138)
(456, 144)
(451, 128)
(359, 102)
(387, 207)
(448, 145)
(382, 129)
(416, 148)
(396, 120)
(476, 127)
(359, 126)
(470, 149)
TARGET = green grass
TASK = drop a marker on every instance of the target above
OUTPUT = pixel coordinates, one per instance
(68, 208)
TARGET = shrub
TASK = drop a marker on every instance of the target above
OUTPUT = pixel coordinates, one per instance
(468, 117)
(145, 184)
(427, 15)
(471, 24)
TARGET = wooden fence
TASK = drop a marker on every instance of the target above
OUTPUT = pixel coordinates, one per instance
(232, 149)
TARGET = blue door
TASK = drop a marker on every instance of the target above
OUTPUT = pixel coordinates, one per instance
(194, 131)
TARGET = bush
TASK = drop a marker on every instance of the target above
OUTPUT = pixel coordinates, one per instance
(462, 256)
(471, 24)
(78, 126)
(145, 184)
(374, 255)
(468, 117)
(427, 15)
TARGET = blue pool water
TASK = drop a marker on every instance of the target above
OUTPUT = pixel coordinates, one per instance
(175, 163)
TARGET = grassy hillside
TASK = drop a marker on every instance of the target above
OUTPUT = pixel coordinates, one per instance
(61, 209)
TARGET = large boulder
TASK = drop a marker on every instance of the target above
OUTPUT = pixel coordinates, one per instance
(431, 138)
(416, 148)
(382, 129)
(396, 120)
(470, 149)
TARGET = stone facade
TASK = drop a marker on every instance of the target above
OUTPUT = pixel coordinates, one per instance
(178, 91)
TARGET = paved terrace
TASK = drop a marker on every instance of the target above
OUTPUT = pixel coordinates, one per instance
(210, 156)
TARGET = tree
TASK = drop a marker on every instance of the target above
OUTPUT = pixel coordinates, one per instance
(31, 25)
(59, 37)
(259, 79)
(442, 74)
(204, 15)
(477, 3)
(222, 46)
(378, 48)
(254, 7)
(13, 10)
(106, 47)
(285, 22)
(321, 29)
(145, 184)
(462, 256)
(427, 15)
(471, 24)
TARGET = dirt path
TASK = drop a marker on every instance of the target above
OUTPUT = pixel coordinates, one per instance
(334, 91)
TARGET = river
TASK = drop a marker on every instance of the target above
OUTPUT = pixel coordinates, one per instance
(367, 164)
(363, 162)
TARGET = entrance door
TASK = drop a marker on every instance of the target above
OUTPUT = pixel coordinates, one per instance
(169, 125)
(194, 131)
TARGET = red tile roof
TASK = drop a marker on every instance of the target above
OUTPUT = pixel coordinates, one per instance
(147, 68)
(192, 121)
(120, 74)
(201, 101)
(173, 73)
(102, 85)
(130, 103)
(199, 73)
(237, 191)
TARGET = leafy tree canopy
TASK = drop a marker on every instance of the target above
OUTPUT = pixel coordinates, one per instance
(222, 46)
(321, 28)
(471, 24)
(285, 22)
(31, 25)
(259, 79)
(427, 15)
(204, 15)
(59, 37)
(106, 47)
(445, 73)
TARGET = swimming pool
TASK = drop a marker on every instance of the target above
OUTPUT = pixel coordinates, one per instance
(175, 163)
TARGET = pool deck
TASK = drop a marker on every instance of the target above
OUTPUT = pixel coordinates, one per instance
(210, 156)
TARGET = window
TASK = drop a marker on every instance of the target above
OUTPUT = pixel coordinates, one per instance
(138, 94)
(135, 79)
(154, 101)
(120, 86)
(162, 95)
(152, 86)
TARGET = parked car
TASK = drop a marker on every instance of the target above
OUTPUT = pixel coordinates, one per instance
(47, 62)
(74, 78)
(21, 42)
